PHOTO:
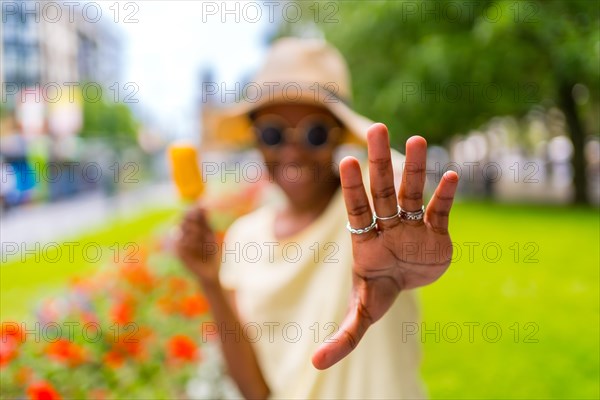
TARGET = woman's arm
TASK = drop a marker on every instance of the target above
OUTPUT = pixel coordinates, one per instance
(239, 354)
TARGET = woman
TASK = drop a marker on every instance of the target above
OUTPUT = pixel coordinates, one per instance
(308, 273)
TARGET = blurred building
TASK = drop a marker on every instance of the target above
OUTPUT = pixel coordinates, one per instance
(20, 49)
(47, 51)
(99, 52)
(58, 52)
(39, 49)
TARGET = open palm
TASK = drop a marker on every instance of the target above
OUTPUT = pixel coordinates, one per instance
(399, 254)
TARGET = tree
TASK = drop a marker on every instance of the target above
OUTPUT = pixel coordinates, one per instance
(113, 122)
(444, 67)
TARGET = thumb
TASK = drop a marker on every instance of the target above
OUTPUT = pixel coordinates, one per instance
(344, 341)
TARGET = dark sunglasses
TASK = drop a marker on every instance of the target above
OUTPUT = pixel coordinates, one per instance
(313, 132)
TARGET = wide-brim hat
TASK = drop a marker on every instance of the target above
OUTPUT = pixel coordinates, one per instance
(302, 71)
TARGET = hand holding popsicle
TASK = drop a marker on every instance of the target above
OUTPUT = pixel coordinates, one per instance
(196, 242)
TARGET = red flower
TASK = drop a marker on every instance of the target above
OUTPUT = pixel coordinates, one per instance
(8, 350)
(114, 359)
(122, 313)
(126, 344)
(12, 329)
(194, 305)
(137, 275)
(177, 284)
(129, 348)
(42, 391)
(181, 347)
(11, 336)
(66, 352)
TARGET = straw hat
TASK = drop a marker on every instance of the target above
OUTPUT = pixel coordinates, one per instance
(302, 71)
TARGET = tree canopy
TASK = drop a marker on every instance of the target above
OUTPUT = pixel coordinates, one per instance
(112, 121)
(439, 68)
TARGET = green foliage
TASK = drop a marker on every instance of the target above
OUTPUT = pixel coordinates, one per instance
(112, 121)
(439, 68)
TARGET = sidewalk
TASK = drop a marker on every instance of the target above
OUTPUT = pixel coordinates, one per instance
(44, 223)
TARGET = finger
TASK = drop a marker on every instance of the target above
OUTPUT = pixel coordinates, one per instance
(194, 230)
(381, 174)
(189, 228)
(438, 210)
(342, 343)
(195, 215)
(355, 197)
(194, 234)
(413, 176)
(197, 223)
(198, 218)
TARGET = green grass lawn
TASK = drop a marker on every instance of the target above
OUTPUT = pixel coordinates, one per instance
(544, 298)
(528, 292)
(22, 283)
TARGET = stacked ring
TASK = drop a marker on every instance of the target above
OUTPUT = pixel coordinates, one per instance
(402, 214)
(412, 215)
(360, 231)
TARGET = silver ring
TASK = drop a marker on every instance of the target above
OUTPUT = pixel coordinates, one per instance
(412, 215)
(390, 217)
(360, 231)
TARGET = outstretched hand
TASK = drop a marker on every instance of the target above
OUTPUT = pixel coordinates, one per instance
(399, 253)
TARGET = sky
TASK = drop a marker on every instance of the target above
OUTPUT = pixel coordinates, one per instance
(173, 41)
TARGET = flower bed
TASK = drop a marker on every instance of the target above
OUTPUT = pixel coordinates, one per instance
(131, 331)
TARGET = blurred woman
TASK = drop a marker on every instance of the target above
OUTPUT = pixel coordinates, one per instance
(331, 268)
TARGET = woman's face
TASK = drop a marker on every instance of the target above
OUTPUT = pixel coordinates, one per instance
(299, 160)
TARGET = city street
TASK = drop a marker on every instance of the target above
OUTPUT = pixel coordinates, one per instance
(41, 223)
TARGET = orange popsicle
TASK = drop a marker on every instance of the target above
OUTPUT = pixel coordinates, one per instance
(185, 171)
